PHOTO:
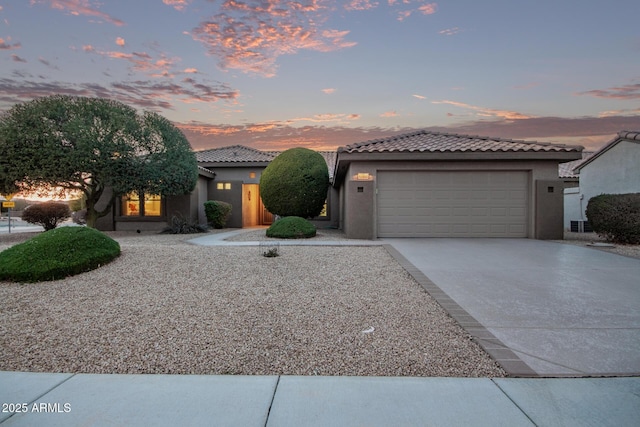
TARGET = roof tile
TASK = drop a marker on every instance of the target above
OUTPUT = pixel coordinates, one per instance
(233, 154)
(425, 141)
(241, 154)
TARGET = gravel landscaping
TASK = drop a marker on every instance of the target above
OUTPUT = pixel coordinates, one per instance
(166, 306)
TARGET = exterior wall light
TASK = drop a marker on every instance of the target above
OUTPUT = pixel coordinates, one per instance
(362, 176)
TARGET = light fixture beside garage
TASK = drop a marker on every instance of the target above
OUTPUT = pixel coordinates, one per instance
(362, 176)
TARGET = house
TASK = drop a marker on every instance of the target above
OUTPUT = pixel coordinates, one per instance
(420, 184)
(228, 174)
(614, 169)
(238, 170)
(430, 184)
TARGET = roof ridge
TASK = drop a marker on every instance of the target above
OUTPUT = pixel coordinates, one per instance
(629, 134)
(457, 135)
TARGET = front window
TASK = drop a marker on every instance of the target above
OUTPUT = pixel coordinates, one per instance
(150, 205)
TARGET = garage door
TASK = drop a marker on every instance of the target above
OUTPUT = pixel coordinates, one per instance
(452, 203)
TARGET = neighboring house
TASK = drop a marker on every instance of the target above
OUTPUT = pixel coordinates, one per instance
(566, 173)
(614, 169)
(429, 184)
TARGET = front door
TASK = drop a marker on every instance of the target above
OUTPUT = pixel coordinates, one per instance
(253, 211)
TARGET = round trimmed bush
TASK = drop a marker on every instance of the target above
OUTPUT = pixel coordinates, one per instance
(56, 254)
(291, 227)
(295, 183)
(47, 214)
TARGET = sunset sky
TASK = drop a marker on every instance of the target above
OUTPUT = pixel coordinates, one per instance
(274, 74)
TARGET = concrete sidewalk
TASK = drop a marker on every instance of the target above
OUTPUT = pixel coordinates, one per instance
(194, 400)
(219, 239)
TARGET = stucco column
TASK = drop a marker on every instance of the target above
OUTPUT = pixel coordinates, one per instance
(360, 213)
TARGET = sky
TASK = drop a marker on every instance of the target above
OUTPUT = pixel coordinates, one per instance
(320, 74)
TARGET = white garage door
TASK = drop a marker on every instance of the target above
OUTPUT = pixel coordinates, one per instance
(452, 203)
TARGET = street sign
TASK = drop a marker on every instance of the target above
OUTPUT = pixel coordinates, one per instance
(8, 204)
(9, 196)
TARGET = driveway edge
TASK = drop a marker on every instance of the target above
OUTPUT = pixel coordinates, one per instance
(502, 354)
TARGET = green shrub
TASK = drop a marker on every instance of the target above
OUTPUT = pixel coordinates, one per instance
(616, 217)
(217, 212)
(181, 225)
(291, 227)
(47, 214)
(295, 183)
(56, 254)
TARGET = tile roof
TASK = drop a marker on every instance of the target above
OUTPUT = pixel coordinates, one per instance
(234, 154)
(565, 170)
(241, 154)
(425, 141)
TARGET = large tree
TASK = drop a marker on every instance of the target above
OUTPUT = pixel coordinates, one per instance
(90, 144)
(295, 183)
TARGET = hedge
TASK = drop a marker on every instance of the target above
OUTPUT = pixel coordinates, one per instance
(616, 217)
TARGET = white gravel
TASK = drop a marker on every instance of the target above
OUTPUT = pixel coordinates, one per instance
(165, 306)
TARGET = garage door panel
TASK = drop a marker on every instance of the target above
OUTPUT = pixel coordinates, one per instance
(452, 203)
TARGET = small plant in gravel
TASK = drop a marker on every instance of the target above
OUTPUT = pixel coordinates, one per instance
(217, 212)
(181, 225)
(56, 254)
(291, 227)
(47, 214)
(271, 253)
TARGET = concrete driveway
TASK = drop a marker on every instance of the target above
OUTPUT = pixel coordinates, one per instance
(564, 310)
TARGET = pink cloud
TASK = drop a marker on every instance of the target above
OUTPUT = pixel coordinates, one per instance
(329, 91)
(404, 15)
(487, 112)
(120, 41)
(428, 9)
(417, 6)
(16, 58)
(631, 91)
(361, 5)
(337, 118)
(419, 96)
(177, 4)
(250, 36)
(190, 70)
(80, 7)
(449, 31)
(623, 112)
(5, 45)
(590, 131)
(388, 114)
(141, 93)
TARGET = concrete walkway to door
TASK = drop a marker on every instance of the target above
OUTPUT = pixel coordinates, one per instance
(564, 310)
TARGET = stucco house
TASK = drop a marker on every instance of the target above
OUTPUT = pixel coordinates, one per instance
(420, 184)
(430, 184)
(614, 169)
(237, 181)
(229, 174)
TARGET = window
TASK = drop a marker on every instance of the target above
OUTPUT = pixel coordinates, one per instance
(223, 186)
(323, 213)
(150, 205)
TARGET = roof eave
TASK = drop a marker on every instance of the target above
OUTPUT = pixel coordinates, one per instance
(622, 136)
(233, 164)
